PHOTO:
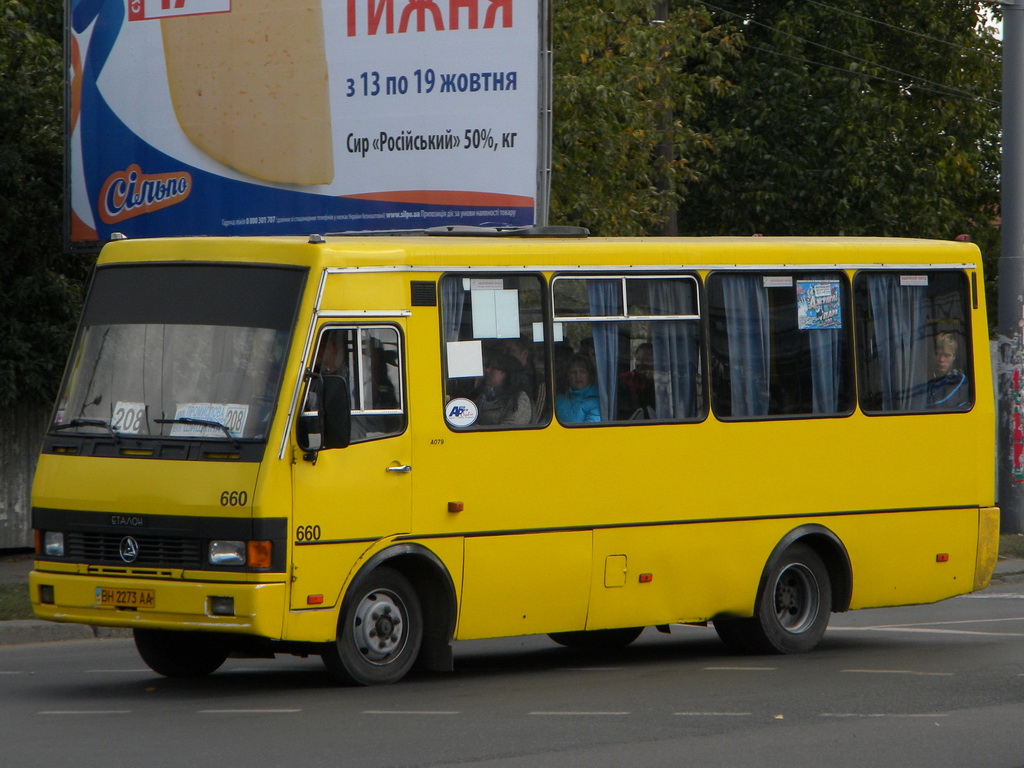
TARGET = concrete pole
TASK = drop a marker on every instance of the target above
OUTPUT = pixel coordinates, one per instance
(1010, 344)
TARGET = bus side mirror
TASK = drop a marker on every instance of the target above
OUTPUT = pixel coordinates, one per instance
(326, 421)
(336, 412)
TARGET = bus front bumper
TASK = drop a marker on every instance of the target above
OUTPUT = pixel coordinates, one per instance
(249, 609)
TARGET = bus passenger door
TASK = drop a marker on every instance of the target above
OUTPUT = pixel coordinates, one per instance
(348, 498)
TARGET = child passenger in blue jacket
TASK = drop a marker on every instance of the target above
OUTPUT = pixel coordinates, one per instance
(580, 402)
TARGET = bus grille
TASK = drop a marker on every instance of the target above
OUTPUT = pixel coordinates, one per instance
(155, 551)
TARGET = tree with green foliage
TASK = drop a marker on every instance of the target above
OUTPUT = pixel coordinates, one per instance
(874, 118)
(785, 117)
(630, 80)
(40, 288)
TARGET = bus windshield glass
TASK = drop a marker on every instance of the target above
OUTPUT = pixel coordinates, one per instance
(180, 350)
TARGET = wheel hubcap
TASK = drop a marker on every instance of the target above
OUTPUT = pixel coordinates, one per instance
(796, 598)
(378, 626)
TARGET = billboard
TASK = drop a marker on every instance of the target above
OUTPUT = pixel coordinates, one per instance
(243, 117)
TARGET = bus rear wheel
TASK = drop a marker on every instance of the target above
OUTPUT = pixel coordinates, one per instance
(181, 655)
(792, 610)
(597, 640)
(379, 631)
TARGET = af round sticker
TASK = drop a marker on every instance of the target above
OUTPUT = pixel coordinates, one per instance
(461, 412)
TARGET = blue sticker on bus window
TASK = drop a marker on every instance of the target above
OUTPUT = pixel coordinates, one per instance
(819, 305)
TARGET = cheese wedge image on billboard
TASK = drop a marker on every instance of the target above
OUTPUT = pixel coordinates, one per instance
(250, 88)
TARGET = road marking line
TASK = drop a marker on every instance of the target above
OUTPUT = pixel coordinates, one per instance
(922, 630)
(741, 669)
(84, 712)
(411, 712)
(994, 597)
(247, 711)
(578, 714)
(900, 672)
(879, 715)
(713, 714)
(945, 623)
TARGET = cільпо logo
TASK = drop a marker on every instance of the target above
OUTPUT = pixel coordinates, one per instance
(129, 193)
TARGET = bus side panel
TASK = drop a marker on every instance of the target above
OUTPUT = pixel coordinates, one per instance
(665, 574)
(907, 558)
(525, 584)
(688, 573)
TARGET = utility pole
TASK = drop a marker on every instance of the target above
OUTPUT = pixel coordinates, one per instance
(1010, 355)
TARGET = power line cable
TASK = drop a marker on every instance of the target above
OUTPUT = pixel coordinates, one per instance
(940, 88)
(979, 51)
(942, 91)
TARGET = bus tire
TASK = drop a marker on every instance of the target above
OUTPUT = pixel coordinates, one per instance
(181, 655)
(380, 631)
(597, 640)
(793, 608)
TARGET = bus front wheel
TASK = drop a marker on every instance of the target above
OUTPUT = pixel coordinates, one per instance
(181, 655)
(379, 631)
(792, 610)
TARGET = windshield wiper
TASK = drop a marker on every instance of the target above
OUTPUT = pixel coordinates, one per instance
(90, 423)
(201, 423)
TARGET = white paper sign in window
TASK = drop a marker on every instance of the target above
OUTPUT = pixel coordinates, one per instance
(128, 417)
(465, 359)
(495, 314)
(231, 415)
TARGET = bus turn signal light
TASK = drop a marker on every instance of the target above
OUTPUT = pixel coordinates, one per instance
(260, 554)
(942, 557)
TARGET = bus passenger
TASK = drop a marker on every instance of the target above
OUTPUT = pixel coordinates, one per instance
(636, 387)
(580, 402)
(948, 388)
(499, 398)
(526, 377)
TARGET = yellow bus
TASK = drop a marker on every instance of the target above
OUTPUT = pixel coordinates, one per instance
(367, 448)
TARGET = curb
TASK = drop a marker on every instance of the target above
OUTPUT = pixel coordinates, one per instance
(37, 631)
(1008, 578)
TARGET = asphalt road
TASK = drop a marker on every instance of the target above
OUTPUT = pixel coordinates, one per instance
(934, 686)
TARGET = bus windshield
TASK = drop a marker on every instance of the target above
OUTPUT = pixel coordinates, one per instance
(190, 351)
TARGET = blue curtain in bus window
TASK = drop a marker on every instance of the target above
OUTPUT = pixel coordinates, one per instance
(676, 350)
(747, 328)
(826, 372)
(899, 324)
(452, 297)
(605, 298)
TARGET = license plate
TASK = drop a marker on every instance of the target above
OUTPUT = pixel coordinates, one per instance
(126, 598)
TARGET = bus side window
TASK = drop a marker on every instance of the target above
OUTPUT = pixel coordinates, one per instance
(780, 345)
(914, 345)
(494, 352)
(630, 349)
(369, 358)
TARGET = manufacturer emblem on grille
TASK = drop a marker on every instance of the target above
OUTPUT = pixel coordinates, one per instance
(129, 549)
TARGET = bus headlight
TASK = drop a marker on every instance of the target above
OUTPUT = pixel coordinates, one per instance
(53, 544)
(227, 553)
